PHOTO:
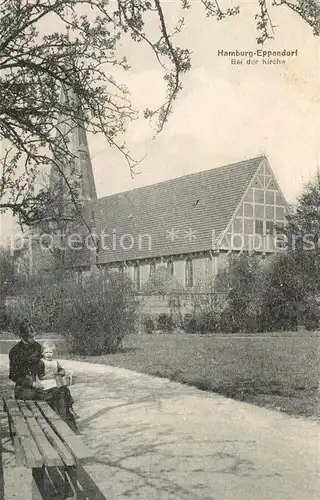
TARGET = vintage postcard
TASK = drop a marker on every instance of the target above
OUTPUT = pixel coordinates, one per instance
(159, 252)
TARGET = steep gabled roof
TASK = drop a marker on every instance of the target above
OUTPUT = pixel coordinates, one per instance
(178, 216)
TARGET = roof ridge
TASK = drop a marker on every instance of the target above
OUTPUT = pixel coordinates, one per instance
(181, 177)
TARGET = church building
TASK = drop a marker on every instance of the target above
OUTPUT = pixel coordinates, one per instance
(189, 225)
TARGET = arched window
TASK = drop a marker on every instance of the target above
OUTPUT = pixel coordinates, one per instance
(79, 276)
(170, 267)
(152, 268)
(92, 217)
(259, 226)
(189, 273)
(136, 275)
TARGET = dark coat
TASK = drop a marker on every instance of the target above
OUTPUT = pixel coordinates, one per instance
(24, 363)
(24, 366)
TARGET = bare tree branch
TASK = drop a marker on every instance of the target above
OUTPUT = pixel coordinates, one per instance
(79, 54)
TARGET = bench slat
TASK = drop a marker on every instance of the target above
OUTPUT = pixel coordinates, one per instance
(18, 450)
(19, 453)
(73, 442)
(52, 437)
(32, 455)
(50, 455)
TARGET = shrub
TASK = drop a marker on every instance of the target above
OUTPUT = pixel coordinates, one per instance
(148, 324)
(206, 321)
(227, 322)
(94, 316)
(38, 305)
(165, 322)
(98, 316)
(311, 312)
(189, 323)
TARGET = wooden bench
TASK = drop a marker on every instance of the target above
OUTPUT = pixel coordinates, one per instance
(50, 451)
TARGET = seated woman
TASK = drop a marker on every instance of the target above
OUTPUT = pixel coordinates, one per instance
(24, 359)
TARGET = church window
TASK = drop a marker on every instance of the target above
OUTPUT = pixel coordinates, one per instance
(79, 277)
(259, 226)
(237, 242)
(152, 269)
(136, 275)
(170, 267)
(189, 273)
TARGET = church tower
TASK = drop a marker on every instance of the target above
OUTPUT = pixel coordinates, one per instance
(71, 189)
(73, 170)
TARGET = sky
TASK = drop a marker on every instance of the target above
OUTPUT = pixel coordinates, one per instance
(225, 113)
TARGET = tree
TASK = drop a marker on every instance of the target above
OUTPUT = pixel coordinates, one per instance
(291, 288)
(303, 257)
(7, 272)
(78, 55)
(303, 223)
(9, 281)
(63, 236)
(242, 281)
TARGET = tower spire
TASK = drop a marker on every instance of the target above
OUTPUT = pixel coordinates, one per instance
(74, 170)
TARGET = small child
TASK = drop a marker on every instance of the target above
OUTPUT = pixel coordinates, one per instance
(49, 368)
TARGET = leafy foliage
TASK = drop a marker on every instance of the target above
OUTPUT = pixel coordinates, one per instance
(97, 318)
(205, 321)
(72, 46)
(281, 294)
(7, 272)
(309, 10)
(94, 315)
(303, 226)
(7, 282)
(165, 322)
(241, 281)
(161, 282)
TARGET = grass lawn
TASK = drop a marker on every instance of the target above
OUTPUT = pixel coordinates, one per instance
(276, 371)
(279, 372)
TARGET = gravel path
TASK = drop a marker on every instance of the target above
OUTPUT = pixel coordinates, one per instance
(156, 439)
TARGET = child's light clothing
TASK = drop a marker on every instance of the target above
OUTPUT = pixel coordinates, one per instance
(48, 371)
(51, 368)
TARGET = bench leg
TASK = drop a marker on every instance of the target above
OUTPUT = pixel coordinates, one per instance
(38, 483)
(71, 486)
(11, 430)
